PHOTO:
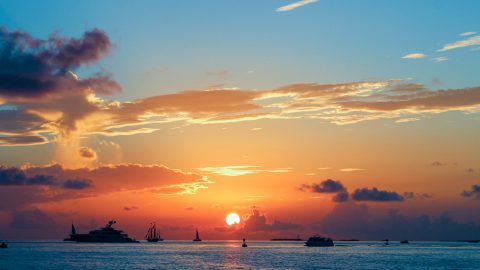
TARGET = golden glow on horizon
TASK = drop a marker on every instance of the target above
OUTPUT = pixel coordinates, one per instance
(232, 218)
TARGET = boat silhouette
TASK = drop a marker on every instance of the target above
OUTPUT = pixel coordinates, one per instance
(197, 236)
(107, 234)
(319, 241)
(152, 234)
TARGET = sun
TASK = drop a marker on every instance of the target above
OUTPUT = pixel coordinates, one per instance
(232, 218)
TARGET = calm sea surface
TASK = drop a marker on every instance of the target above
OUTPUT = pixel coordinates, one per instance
(230, 255)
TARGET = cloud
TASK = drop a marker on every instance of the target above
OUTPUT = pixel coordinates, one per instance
(130, 208)
(426, 101)
(15, 177)
(34, 184)
(471, 41)
(258, 222)
(351, 169)
(341, 196)
(31, 67)
(474, 192)
(375, 195)
(295, 5)
(464, 34)
(437, 164)
(407, 120)
(326, 186)
(31, 219)
(470, 170)
(420, 196)
(414, 56)
(88, 153)
(77, 184)
(73, 109)
(239, 170)
(352, 220)
(440, 59)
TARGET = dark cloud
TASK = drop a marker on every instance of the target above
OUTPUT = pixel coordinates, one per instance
(470, 170)
(352, 220)
(258, 222)
(31, 67)
(419, 196)
(87, 153)
(31, 219)
(77, 184)
(16, 177)
(130, 208)
(16, 140)
(474, 192)
(326, 186)
(341, 196)
(366, 194)
(436, 164)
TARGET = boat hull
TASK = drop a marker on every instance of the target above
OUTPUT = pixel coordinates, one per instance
(86, 238)
(326, 244)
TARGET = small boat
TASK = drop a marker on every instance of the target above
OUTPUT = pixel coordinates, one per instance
(197, 237)
(318, 241)
(153, 235)
(404, 242)
(244, 244)
(3, 245)
(386, 242)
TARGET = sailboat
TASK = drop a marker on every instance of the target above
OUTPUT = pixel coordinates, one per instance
(152, 234)
(197, 237)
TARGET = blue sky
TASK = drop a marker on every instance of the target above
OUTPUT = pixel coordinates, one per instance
(167, 46)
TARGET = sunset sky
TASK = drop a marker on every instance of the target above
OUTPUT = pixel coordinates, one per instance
(352, 119)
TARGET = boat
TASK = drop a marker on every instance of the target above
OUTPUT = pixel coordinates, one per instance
(404, 242)
(244, 244)
(386, 242)
(106, 234)
(153, 235)
(319, 241)
(3, 245)
(197, 237)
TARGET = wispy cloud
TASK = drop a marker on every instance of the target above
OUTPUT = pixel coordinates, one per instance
(464, 34)
(414, 56)
(351, 169)
(295, 5)
(239, 170)
(406, 120)
(471, 41)
(439, 59)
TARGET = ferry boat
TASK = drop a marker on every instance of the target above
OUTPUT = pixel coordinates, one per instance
(153, 235)
(197, 236)
(106, 234)
(318, 241)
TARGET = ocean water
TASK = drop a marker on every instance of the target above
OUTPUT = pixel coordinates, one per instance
(230, 255)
